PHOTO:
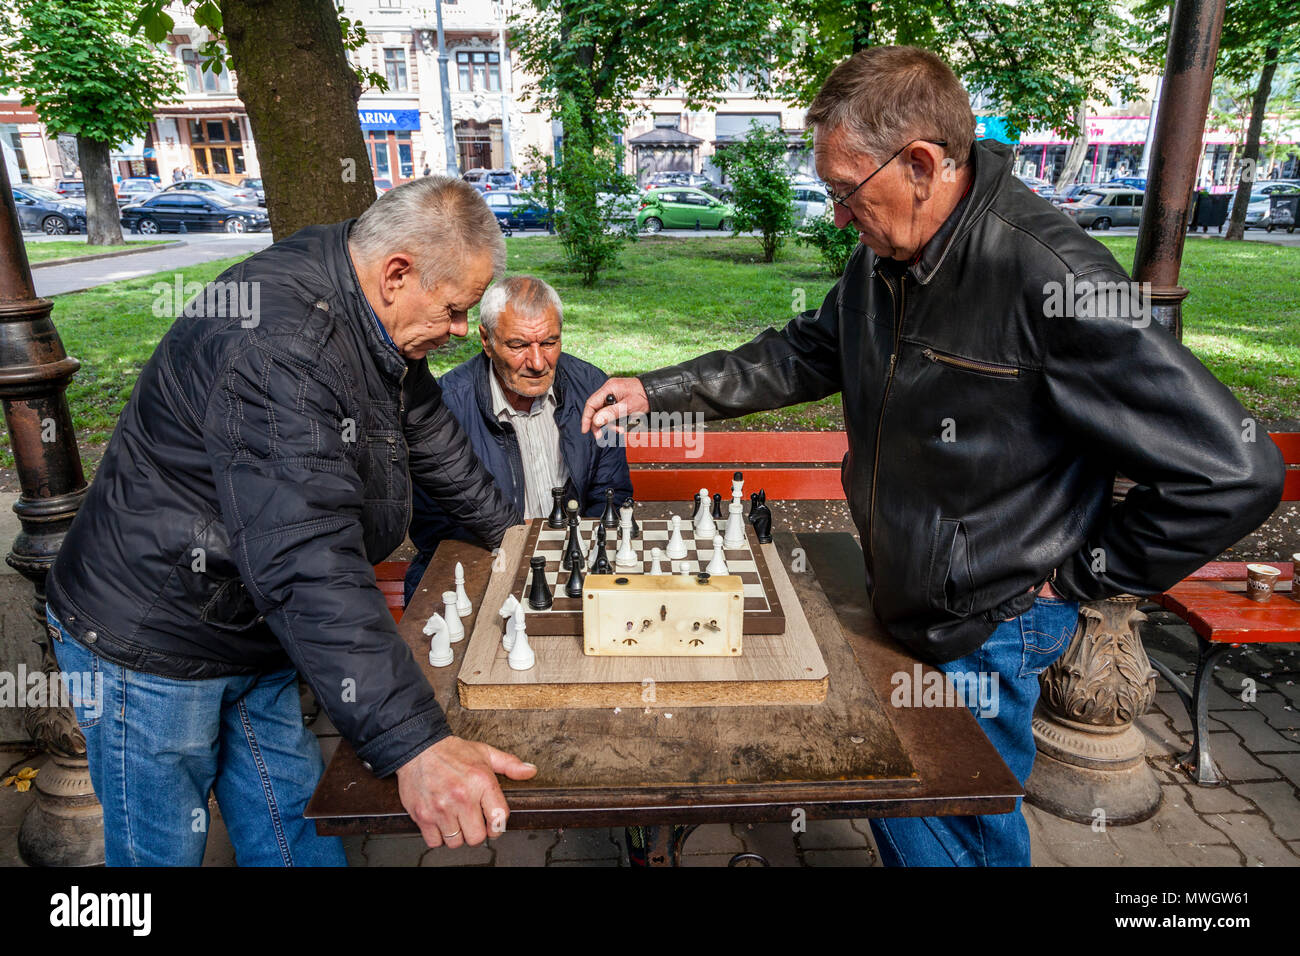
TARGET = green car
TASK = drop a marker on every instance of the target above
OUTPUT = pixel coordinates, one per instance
(680, 207)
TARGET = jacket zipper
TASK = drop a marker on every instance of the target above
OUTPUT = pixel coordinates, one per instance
(401, 427)
(889, 381)
(970, 364)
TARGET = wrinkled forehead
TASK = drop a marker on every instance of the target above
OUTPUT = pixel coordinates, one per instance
(532, 324)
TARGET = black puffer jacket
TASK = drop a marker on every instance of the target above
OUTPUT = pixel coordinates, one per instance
(991, 391)
(261, 467)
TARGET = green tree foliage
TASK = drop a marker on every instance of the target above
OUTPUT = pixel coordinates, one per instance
(760, 182)
(76, 64)
(593, 57)
(833, 244)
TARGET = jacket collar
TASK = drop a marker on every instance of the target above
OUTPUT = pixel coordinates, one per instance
(990, 169)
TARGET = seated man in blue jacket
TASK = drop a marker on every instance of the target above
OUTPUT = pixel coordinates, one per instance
(520, 402)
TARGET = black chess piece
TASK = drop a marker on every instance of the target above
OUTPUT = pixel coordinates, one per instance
(756, 498)
(573, 546)
(539, 595)
(636, 528)
(602, 565)
(609, 518)
(574, 586)
(598, 543)
(762, 521)
(556, 520)
(696, 513)
(717, 506)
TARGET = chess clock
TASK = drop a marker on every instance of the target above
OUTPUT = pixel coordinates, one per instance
(641, 615)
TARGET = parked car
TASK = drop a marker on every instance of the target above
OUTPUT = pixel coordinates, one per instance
(72, 188)
(516, 210)
(44, 209)
(176, 210)
(1110, 207)
(256, 186)
(810, 203)
(135, 190)
(219, 187)
(1041, 186)
(1075, 192)
(487, 180)
(682, 209)
(678, 178)
(382, 186)
(1258, 211)
(1130, 182)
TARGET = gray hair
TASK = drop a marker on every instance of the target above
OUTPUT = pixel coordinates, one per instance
(442, 222)
(529, 295)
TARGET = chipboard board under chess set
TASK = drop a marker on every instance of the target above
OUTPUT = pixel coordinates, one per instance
(689, 612)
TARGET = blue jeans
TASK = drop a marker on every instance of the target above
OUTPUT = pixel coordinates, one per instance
(1016, 652)
(157, 746)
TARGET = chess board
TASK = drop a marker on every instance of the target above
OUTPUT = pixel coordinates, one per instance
(763, 612)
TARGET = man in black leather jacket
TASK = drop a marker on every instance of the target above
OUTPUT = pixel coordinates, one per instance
(261, 467)
(997, 368)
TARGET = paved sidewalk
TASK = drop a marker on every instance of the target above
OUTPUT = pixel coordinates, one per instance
(198, 248)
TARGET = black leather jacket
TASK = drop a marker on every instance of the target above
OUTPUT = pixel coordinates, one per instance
(985, 427)
(254, 477)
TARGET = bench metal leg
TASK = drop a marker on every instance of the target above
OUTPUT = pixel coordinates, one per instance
(657, 845)
(1198, 761)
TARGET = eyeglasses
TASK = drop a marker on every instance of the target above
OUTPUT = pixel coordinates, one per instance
(843, 200)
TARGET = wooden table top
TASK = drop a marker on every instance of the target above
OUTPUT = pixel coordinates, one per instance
(709, 764)
(1214, 603)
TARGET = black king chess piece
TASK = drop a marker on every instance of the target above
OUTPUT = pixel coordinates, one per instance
(573, 588)
(539, 595)
(609, 519)
(761, 516)
(556, 520)
(717, 507)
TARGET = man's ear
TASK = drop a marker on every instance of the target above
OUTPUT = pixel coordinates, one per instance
(395, 273)
(484, 335)
(923, 169)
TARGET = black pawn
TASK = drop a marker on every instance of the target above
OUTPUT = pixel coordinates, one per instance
(556, 520)
(610, 518)
(717, 507)
(696, 513)
(539, 595)
(636, 528)
(574, 586)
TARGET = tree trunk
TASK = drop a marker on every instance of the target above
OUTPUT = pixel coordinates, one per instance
(1237, 221)
(301, 96)
(1078, 150)
(103, 224)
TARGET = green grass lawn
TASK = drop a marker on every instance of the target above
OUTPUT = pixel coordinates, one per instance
(671, 299)
(73, 248)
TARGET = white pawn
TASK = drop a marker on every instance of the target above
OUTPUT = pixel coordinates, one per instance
(440, 654)
(717, 563)
(655, 555)
(521, 655)
(706, 527)
(626, 557)
(455, 629)
(735, 537)
(684, 568)
(676, 549)
(508, 612)
(702, 510)
(464, 606)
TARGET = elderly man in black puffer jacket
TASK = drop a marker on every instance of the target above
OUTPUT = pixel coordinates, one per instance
(262, 466)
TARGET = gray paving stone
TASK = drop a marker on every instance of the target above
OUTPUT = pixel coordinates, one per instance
(1161, 738)
(14, 805)
(392, 850)
(1250, 833)
(1274, 708)
(219, 850)
(771, 840)
(862, 857)
(1056, 831)
(352, 849)
(1177, 822)
(1097, 853)
(830, 835)
(524, 847)
(1216, 799)
(611, 861)
(713, 838)
(1171, 706)
(1220, 855)
(9, 847)
(1257, 733)
(1221, 699)
(706, 859)
(1141, 844)
(480, 855)
(1279, 803)
(588, 843)
(1236, 762)
(1288, 764)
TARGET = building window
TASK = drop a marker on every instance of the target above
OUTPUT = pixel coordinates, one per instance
(479, 145)
(668, 121)
(478, 71)
(390, 4)
(200, 80)
(216, 148)
(395, 68)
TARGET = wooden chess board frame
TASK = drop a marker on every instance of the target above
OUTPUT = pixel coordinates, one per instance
(785, 668)
(764, 613)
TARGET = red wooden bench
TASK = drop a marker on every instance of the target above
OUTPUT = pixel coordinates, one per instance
(789, 466)
(1213, 601)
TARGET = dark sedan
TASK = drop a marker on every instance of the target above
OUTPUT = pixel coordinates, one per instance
(45, 210)
(171, 211)
(516, 210)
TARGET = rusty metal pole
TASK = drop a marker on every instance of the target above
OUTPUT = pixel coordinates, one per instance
(65, 825)
(1091, 765)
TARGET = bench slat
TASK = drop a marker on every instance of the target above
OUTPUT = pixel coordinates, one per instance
(1236, 570)
(1291, 487)
(1289, 442)
(728, 447)
(781, 484)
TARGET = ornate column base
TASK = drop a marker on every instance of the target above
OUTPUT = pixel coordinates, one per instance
(65, 827)
(1091, 764)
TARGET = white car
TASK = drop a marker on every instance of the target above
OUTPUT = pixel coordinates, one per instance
(810, 202)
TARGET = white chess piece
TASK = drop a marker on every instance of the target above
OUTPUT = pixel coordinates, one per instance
(702, 510)
(655, 556)
(706, 527)
(464, 606)
(440, 654)
(521, 655)
(735, 537)
(508, 612)
(626, 557)
(684, 568)
(676, 549)
(737, 488)
(455, 629)
(717, 563)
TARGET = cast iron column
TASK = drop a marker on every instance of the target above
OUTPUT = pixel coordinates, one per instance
(65, 826)
(1091, 762)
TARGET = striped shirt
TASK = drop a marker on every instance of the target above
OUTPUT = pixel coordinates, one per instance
(539, 446)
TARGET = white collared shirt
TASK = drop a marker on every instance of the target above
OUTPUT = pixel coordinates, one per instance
(539, 445)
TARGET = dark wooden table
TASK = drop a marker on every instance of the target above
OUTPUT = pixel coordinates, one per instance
(674, 770)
